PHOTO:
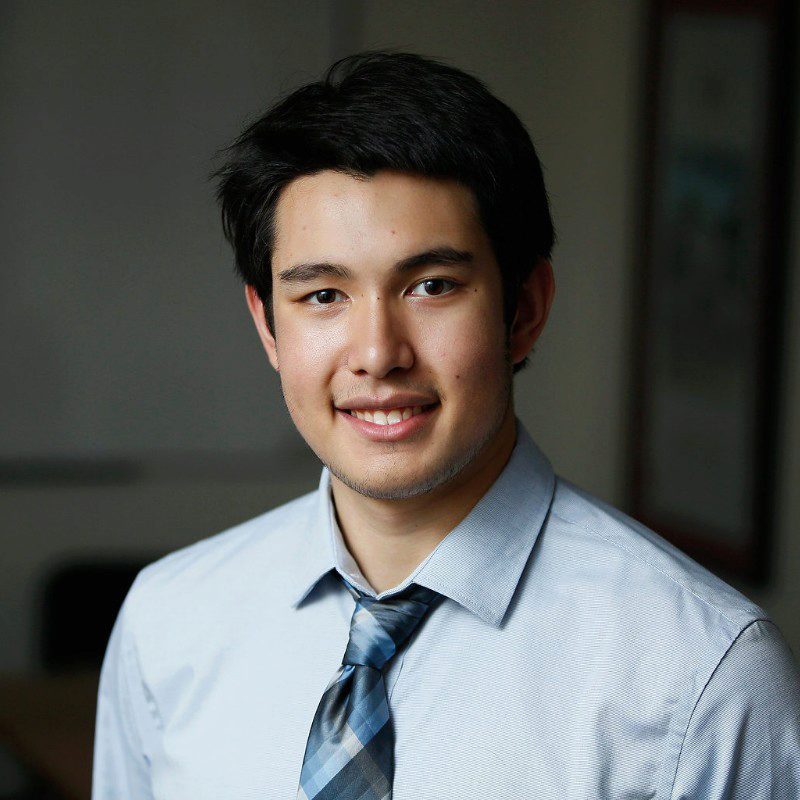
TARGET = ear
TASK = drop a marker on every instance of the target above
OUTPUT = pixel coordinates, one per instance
(533, 307)
(258, 313)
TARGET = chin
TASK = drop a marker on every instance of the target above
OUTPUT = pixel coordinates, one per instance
(389, 487)
(377, 488)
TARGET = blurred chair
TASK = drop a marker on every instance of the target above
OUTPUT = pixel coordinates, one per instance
(79, 603)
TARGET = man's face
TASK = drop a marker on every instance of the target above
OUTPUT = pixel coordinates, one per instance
(388, 305)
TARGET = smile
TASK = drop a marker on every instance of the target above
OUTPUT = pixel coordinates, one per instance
(389, 424)
(386, 416)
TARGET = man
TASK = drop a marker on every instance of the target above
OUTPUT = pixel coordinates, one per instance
(443, 618)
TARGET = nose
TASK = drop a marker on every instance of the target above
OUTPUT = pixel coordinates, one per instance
(378, 340)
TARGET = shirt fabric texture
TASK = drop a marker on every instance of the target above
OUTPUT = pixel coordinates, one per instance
(576, 654)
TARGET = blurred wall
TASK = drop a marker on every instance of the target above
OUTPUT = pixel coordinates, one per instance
(127, 103)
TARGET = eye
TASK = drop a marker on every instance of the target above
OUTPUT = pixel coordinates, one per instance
(322, 297)
(433, 287)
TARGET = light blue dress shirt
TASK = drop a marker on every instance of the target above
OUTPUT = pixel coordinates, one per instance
(576, 655)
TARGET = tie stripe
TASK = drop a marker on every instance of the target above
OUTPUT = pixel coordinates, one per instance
(350, 749)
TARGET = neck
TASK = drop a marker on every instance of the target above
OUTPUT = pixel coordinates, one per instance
(389, 538)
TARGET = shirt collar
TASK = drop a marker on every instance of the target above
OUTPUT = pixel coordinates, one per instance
(478, 564)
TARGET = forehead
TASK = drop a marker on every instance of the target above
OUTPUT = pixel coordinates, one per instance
(385, 213)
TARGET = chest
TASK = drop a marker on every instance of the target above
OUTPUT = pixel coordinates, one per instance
(476, 714)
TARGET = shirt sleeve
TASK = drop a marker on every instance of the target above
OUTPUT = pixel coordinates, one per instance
(125, 722)
(743, 737)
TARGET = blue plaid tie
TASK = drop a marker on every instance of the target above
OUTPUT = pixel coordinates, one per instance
(350, 749)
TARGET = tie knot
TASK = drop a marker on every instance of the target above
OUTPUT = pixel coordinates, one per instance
(379, 628)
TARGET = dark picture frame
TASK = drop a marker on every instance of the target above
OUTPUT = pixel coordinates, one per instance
(711, 271)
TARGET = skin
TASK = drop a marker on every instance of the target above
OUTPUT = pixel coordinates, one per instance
(376, 332)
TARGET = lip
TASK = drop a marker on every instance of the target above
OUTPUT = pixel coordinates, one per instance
(394, 401)
(389, 433)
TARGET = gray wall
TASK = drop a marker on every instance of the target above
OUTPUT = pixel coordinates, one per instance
(126, 330)
(125, 333)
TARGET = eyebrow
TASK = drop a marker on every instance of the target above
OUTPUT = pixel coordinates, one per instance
(305, 273)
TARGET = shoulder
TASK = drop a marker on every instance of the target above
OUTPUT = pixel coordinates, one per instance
(650, 580)
(744, 729)
(214, 571)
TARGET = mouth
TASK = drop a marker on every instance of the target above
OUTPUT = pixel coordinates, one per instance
(388, 416)
(385, 425)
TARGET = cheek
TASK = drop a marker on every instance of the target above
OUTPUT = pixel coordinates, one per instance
(470, 353)
(475, 362)
(304, 360)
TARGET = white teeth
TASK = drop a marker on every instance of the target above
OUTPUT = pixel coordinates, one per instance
(383, 417)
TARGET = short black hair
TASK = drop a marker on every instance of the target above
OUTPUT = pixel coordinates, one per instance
(380, 110)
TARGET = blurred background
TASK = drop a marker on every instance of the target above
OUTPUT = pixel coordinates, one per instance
(139, 411)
